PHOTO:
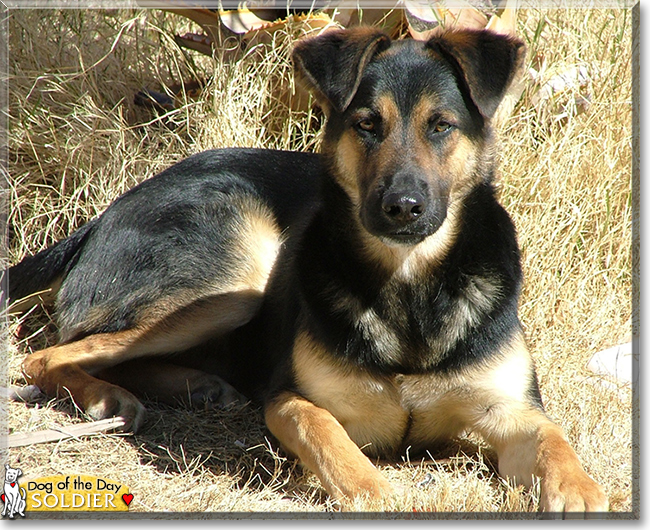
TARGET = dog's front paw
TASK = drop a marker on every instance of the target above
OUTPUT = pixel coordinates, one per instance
(576, 493)
(106, 401)
(369, 494)
(361, 488)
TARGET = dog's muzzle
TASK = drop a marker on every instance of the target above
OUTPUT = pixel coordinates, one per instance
(405, 212)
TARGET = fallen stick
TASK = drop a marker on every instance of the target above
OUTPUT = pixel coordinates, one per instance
(55, 435)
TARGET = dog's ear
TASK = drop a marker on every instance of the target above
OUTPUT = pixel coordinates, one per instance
(332, 64)
(487, 62)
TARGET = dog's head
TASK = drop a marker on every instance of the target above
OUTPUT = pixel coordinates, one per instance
(407, 133)
(11, 474)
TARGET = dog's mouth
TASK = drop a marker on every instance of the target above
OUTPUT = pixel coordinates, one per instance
(402, 238)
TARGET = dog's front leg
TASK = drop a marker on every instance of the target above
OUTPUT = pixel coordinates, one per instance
(321, 443)
(540, 448)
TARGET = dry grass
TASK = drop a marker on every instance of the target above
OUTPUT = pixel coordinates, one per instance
(76, 141)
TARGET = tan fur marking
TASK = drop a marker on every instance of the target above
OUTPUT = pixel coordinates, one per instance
(372, 327)
(391, 118)
(348, 162)
(57, 371)
(423, 154)
(351, 396)
(191, 324)
(477, 298)
(565, 485)
(539, 448)
(444, 406)
(461, 162)
(320, 442)
(457, 165)
(258, 244)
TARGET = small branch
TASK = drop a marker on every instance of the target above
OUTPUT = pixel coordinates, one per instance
(54, 435)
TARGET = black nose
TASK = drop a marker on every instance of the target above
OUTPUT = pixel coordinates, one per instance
(403, 208)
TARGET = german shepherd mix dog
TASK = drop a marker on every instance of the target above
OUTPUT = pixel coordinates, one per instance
(367, 296)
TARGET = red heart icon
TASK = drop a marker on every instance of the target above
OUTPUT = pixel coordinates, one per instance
(3, 497)
(127, 498)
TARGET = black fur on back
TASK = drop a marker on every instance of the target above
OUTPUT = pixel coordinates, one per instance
(170, 233)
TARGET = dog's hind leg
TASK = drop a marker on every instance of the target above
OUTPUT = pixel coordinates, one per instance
(69, 368)
(61, 370)
(173, 383)
(198, 272)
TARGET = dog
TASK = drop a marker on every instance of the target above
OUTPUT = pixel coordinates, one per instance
(366, 295)
(14, 495)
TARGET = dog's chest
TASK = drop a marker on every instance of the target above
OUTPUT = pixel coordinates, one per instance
(383, 414)
(412, 327)
(377, 412)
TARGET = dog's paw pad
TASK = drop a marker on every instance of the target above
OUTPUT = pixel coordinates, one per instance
(216, 393)
(25, 394)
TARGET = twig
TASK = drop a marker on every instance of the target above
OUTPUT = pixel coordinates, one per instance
(53, 435)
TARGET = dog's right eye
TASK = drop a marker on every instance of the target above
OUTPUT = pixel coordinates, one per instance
(366, 124)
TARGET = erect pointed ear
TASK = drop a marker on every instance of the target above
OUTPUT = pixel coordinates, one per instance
(487, 61)
(332, 63)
